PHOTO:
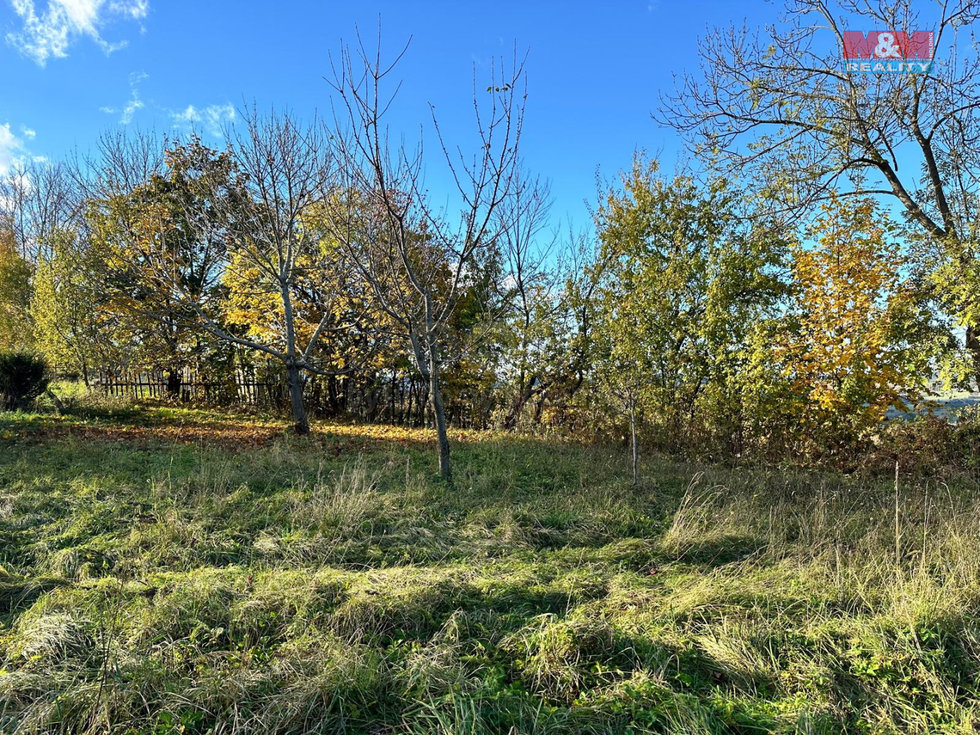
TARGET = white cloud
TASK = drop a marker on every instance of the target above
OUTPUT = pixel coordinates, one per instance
(211, 118)
(48, 33)
(134, 103)
(27, 132)
(13, 155)
(134, 9)
(11, 149)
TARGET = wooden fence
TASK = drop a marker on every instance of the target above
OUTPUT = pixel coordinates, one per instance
(396, 398)
(242, 389)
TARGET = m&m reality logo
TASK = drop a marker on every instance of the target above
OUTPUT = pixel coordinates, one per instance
(882, 52)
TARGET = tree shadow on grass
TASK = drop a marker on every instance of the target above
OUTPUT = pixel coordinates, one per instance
(647, 556)
(18, 593)
(716, 551)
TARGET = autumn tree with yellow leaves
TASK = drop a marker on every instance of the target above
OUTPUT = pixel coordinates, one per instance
(856, 338)
(15, 292)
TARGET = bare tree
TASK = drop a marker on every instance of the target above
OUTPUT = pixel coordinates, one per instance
(414, 254)
(532, 294)
(781, 106)
(38, 199)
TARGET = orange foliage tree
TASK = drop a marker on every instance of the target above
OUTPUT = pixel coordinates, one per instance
(854, 344)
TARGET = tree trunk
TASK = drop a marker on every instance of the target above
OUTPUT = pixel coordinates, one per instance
(421, 402)
(333, 396)
(391, 395)
(370, 401)
(175, 379)
(439, 413)
(300, 424)
(538, 410)
(520, 400)
(634, 449)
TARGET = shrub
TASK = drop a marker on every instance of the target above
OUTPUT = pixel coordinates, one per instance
(23, 377)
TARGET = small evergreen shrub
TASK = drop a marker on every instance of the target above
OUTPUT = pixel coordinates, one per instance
(23, 377)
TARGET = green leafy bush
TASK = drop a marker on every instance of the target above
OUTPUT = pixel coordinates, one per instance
(23, 377)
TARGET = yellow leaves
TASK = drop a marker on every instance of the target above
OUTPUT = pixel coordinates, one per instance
(15, 293)
(253, 301)
(849, 294)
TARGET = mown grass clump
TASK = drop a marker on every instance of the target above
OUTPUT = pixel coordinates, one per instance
(152, 584)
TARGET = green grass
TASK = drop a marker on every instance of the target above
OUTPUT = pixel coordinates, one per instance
(177, 571)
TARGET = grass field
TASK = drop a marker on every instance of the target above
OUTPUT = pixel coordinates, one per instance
(169, 571)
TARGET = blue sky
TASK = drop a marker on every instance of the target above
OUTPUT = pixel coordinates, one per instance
(74, 68)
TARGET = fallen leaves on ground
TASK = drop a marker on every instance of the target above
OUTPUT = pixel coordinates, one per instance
(229, 431)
